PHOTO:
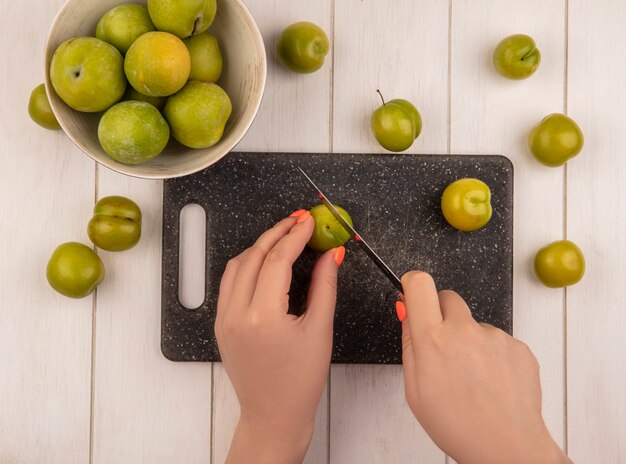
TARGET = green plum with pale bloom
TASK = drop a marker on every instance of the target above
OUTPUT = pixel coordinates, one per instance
(198, 114)
(182, 18)
(123, 24)
(133, 132)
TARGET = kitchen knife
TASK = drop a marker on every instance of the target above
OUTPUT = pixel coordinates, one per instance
(393, 278)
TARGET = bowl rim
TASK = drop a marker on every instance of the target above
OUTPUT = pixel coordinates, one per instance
(128, 169)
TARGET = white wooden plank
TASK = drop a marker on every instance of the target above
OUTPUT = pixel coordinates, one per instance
(491, 114)
(294, 116)
(146, 408)
(403, 51)
(227, 412)
(370, 421)
(596, 320)
(44, 413)
(225, 415)
(47, 192)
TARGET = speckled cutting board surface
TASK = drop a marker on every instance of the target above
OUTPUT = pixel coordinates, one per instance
(394, 201)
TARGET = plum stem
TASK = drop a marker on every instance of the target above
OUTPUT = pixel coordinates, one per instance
(381, 97)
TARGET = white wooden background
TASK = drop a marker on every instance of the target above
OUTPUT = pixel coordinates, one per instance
(85, 382)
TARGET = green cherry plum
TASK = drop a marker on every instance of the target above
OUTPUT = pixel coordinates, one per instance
(302, 47)
(157, 64)
(396, 124)
(74, 270)
(182, 18)
(123, 24)
(328, 233)
(132, 94)
(39, 109)
(198, 114)
(206, 57)
(116, 224)
(133, 132)
(466, 204)
(559, 264)
(516, 57)
(555, 140)
(88, 74)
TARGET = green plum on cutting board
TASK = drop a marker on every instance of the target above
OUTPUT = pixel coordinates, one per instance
(328, 233)
(466, 204)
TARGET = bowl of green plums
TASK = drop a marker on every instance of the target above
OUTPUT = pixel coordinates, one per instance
(158, 89)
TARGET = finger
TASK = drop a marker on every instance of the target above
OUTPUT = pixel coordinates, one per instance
(453, 307)
(494, 330)
(422, 302)
(323, 289)
(486, 326)
(227, 285)
(251, 261)
(408, 365)
(274, 279)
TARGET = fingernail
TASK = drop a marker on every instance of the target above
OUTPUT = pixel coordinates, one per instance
(401, 311)
(303, 217)
(297, 213)
(339, 254)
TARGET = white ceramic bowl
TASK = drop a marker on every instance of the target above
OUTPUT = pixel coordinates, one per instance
(243, 78)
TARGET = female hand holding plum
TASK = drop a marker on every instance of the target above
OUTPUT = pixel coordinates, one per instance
(474, 389)
(278, 363)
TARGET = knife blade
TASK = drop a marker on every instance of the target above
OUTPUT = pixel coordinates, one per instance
(393, 278)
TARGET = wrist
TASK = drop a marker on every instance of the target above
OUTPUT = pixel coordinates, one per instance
(515, 448)
(544, 450)
(550, 452)
(262, 442)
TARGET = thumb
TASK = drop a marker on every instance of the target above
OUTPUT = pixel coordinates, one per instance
(408, 365)
(323, 289)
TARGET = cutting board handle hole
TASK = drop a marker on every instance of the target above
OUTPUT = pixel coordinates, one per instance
(191, 256)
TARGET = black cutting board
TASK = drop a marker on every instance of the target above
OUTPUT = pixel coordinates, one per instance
(394, 201)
